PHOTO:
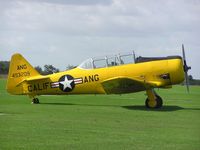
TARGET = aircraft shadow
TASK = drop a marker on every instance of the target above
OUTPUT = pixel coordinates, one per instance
(143, 108)
(58, 104)
(80, 104)
(164, 108)
(131, 107)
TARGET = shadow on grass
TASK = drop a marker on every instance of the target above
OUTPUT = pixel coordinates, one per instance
(132, 107)
(58, 104)
(164, 108)
(80, 104)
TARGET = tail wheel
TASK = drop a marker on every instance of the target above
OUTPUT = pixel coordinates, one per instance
(154, 104)
(35, 101)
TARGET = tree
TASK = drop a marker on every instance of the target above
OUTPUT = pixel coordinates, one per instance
(39, 69)
(190, 77)
(69, 67)
(4, 67)
(50, 69)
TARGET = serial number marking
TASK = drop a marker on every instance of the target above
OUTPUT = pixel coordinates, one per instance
(21, 74)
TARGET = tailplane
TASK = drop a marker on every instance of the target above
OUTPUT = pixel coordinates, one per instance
(19, 70)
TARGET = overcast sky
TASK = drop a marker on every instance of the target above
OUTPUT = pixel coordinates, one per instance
(62, 32)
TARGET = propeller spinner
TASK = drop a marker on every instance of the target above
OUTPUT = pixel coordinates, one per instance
(186, 68)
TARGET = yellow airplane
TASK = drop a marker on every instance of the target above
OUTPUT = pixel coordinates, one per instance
(109, 75)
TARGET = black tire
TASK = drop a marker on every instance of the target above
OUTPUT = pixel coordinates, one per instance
(35, 101)
(159, 102)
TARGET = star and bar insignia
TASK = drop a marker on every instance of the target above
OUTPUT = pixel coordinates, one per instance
(67, 83)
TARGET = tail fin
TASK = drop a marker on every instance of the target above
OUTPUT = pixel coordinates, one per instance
(19, 70)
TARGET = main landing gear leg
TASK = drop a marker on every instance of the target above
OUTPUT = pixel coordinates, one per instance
(34, 100)
(153, 100)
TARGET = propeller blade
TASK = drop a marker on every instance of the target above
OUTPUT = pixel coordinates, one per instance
(187, 82)
(186, 68)
(183, 52)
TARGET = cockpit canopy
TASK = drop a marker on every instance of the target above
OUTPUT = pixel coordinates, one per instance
(108, 61)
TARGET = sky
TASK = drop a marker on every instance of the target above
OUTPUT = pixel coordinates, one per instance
(63, 32)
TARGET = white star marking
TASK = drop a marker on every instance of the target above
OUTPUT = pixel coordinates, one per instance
(66, 83)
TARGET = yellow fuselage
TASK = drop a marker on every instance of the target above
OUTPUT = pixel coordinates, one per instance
(89, 81)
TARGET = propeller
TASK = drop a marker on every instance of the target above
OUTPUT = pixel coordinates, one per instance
(186, 68)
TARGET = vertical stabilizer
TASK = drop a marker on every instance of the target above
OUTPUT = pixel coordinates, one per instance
(19, 70)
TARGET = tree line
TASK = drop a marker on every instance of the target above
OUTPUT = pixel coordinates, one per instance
(47, 69)
(4, 67)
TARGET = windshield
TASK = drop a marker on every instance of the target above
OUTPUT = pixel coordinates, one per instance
(108, 61)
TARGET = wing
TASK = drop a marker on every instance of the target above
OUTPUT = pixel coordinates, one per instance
(119, 85)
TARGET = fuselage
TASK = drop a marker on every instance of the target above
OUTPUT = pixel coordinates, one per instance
(165, 72)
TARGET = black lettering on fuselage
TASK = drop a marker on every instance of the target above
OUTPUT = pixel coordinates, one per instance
(38, 87)
(45, 85)
(35, 87)
(91, 78)
(85, 80)
(96, 77)
(30, 88)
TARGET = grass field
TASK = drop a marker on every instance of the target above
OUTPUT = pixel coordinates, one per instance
(89, 122)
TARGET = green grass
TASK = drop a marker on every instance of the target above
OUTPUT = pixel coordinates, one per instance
(101, 122)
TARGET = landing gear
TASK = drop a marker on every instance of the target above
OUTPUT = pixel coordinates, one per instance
(35, 101)
(153, 100)
(157, 103)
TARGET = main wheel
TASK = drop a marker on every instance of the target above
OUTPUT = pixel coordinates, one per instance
(159, 101)
(154, 104)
